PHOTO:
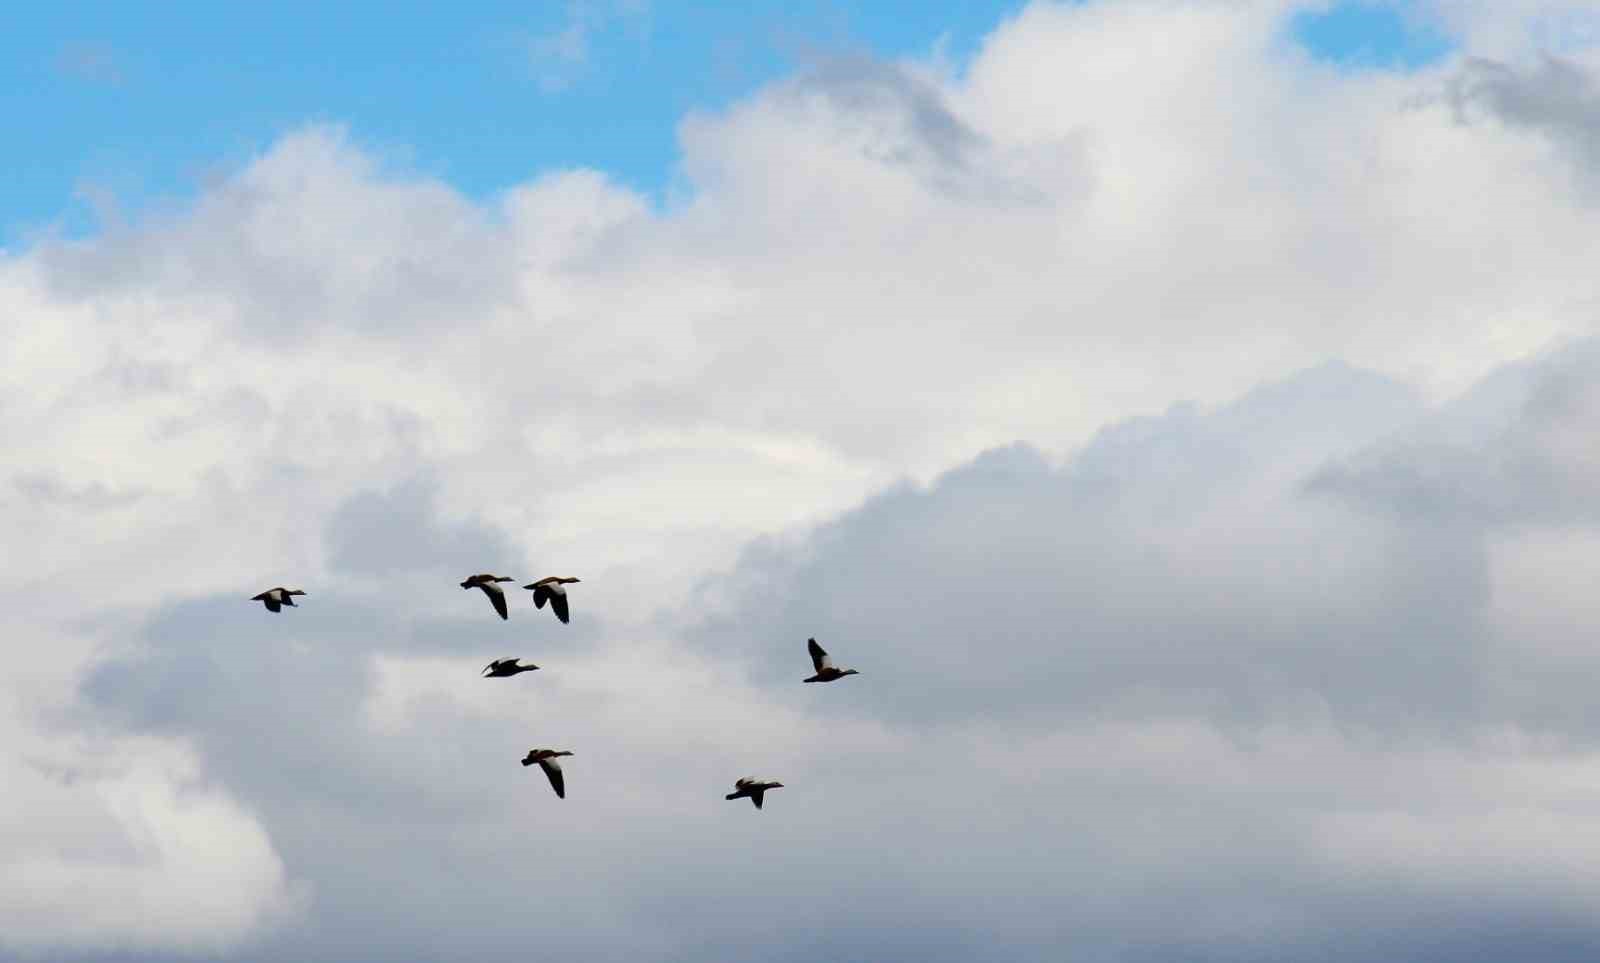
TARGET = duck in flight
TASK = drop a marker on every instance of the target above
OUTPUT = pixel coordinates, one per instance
(752, 788)
(276, 598)
(496, 596)
(500, 668)
(826, 672)
(546, 758)
(552, 590)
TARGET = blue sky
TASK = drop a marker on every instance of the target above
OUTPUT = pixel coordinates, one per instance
(111, 101)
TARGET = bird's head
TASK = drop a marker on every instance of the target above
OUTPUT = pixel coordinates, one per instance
(467, 583)
(572, 580)
(295, 592)
(529, 759)
(850, 672)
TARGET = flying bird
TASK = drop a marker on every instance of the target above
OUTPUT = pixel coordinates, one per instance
(552, 590)
(826, 672)
(276, 598)
(546, 758)
(500, 668)
(753, 788)
(496, 596)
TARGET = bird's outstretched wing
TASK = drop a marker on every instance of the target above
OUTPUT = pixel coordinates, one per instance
(819, 657)
(552, 769)
(756, 795)
(496, 596)
(558, 602)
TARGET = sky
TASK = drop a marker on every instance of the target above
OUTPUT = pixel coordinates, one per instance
(121, 110)
(1181, 412)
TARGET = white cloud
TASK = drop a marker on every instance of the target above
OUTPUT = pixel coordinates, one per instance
(1521, 28)
(120, 846)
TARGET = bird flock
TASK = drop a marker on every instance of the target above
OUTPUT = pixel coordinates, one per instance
(552, 590)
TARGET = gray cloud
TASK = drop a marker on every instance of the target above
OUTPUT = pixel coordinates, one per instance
(380, 533)
(1174, 564)
(1558, 97)
(94, 497)
(1164, 700)
(1511, 452)
(889, 99)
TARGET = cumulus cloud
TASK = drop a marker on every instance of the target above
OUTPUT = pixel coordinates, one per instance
(1218, 629)
(1520, 28)
(1558, 98)
(122, 844)
(1179, 669)
(1220, 660)
(1120, 577)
